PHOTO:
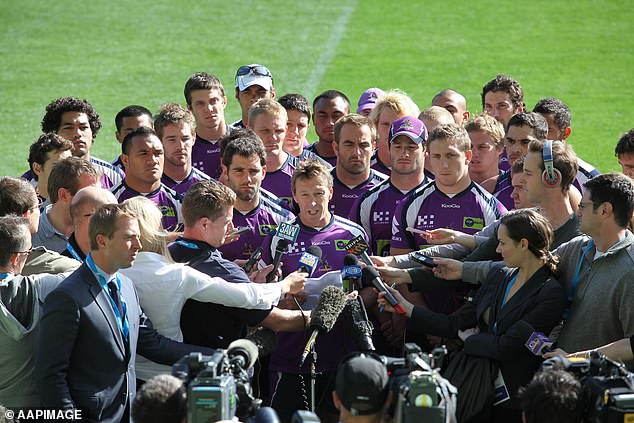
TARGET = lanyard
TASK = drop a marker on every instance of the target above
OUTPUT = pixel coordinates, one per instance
(575, 279)
(187, 244)
(73, 252)
(506, 294)
(122, 322)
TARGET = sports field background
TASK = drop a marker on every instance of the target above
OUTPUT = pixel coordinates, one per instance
(119, 53)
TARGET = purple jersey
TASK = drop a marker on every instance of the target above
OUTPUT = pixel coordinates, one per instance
(586, 171)
(261, 221)
(504, 164)
(429, 208)
(343, 197)
(111, 176)
(279, 181)
(331, 160)
(118, 163)
(332, 239)
(165, 199)
(181, 187)
(377, 164)
(503, 190)
(206, 155)
(374, 211)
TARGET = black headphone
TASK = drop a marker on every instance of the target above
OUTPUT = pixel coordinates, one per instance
(551, 176)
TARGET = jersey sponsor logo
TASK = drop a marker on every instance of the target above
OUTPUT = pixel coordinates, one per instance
(349, 196)
(167, 211)
(426, 220)
(450, 206)
(383, 247)
(473, 223)
(381, 217)
(340, 244)
(325, 242)
(266, 229)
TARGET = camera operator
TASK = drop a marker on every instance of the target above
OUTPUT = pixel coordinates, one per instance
(162, 399)
(362, 392)
(552, 396)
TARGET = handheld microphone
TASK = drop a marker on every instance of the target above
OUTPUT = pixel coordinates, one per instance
(358, 324)
(265, 339)
(309, 259)
(359, 247)
(280, 249)
(253, 258)
(537, 342)
(330, 305)
(351, 273)
(370, 276)
(242, 352)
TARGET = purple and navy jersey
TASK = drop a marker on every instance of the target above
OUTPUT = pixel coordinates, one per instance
(206, 155)
(503, 163)
(332, 346)
(374, 211)
(429, 208)
(165, 199)
(330, 160)
(238, 124)
(181, 187)
(343, 198)
(262, 221)
(30, 177)
(586, 172)
(111, 176)
(503, 190)
(307, 154)
(118, 163)
(377, 164)
(279, 181)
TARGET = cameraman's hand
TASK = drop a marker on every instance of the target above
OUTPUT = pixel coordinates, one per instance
(447, 268)
(294, 282)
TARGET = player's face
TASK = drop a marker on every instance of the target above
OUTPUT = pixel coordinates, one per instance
(386, 117)
(312, 195)
(296, 130)
(120, 251)
(44, 171)
(485, 155)
(144, 162)
(178, 142)
(75, 127)
(128, 124)
(244, 176)
(449, 164)
(532, 177)
(498, 105)
(271, 130)
(553, 130)
(626, 161)
(327, 112)
(354, 149)
(215, 231)
(407, 157)
(517, 140)
(208, 107)
(454, 105)
(510, 250)
(252, 94)
(519, 194)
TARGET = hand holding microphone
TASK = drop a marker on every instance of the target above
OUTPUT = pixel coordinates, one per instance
(280, 249)
(370, 277)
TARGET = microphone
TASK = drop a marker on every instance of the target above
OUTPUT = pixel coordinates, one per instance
(242, 352)
(309, 259)
(253, 258)
(537, 342)
(370, 276)
(358, 324)
(351, 272)
(330, 305)
(280, 250)
(359, 247)
(265, 339)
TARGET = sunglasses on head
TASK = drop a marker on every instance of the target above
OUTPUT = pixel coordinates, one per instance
(258, 70)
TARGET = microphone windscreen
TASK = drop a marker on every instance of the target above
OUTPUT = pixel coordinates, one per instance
(350, 260)
(330, 305)
(265, 339)
(314, 250)
(357, 325)
(368, 274)
(244, 348)
(282, 245)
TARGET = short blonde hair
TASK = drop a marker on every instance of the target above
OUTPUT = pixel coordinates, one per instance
(436, 115)
(104, 222)
(451, 133)
(396, 100)
(488, 125)
(266, 106)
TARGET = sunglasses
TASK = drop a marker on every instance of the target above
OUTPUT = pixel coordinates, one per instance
(258, 70)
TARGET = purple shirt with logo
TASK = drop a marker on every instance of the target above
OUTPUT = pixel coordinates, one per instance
(503, 190)
(206, 155)
(343, 197)
(110, 175)
(181, 187)
(279, 181)
(331, 160)
(377, 164)
(165, 198)
(331, 347)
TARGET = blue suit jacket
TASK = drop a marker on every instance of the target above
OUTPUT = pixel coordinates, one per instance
(82, 360)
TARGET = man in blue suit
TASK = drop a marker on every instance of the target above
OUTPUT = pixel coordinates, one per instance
(92, 325)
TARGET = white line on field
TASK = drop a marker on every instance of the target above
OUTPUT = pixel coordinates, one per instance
(329, 50)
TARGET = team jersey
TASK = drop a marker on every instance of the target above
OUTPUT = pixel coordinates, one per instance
(307, 154)
(165, 199)
(206, 155)
(374, 211)
(238, 124)
(279, 181)
(503, 190)
(331, 160)
(118, 163)
(503, 163)
(586, 172)
(110, 175)
(377, 164)
(181, 187)
(262, 220)
(343, 197)
(332, 240)
(429, 208)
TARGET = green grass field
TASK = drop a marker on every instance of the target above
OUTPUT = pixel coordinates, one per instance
(120, 53)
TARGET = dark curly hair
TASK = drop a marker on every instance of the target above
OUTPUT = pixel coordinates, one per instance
(53, 117)
(508, 85)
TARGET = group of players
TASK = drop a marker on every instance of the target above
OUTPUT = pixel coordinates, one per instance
(401, 179)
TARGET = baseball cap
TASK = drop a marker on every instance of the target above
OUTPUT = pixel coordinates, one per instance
(368, 99)
(362, 384)
(409, 126)
(254, 74)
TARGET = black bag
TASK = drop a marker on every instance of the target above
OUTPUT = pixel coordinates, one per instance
(474, 377)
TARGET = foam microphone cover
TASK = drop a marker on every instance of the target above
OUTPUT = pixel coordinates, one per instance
(358, 325)
(368, 275)
(245, 349)
(265, 339)
(282, 246)
(314, 250)
(330, 305)
(350, 260)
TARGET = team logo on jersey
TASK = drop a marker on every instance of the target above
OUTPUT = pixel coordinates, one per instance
(406, 124)
(167, 211)
(341, 244)
(450, 206)
(426, 220)
(473, 223)
(381, 217)
(266, 229)
(325, 266)
(324, 242)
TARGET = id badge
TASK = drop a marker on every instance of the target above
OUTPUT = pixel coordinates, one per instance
(501, 392)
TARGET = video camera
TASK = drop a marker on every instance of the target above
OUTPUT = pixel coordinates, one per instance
(218, 385)
(608, 387)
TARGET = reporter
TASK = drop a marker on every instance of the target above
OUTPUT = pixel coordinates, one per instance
(525, 290)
